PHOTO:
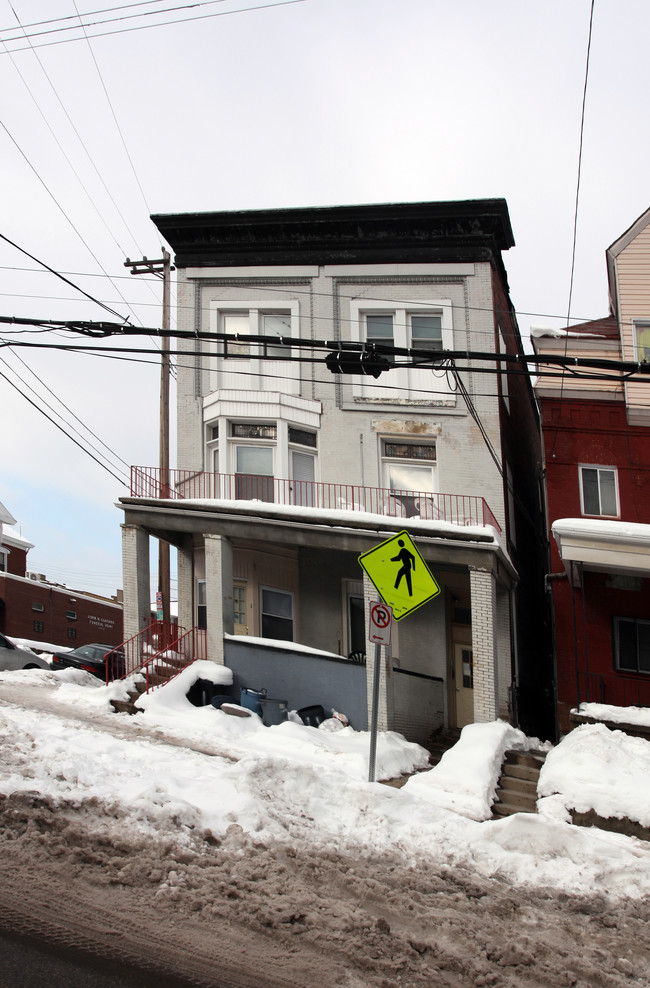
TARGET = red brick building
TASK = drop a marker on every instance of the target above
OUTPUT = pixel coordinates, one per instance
(31, 607)
(597, 447)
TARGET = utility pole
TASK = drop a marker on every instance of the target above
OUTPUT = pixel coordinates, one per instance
(161, 268)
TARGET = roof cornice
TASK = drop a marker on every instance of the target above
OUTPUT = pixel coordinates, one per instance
(399, 232)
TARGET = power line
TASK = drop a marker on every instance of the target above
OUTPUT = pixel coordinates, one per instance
(56, 273)
(169, 23)
(66, 407)
(120, 480)
(519, 313)
(113, 114)
(476, 361)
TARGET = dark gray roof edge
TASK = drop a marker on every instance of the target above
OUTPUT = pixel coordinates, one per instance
(494, 213)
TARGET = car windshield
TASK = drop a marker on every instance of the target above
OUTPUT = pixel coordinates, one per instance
(91, 652)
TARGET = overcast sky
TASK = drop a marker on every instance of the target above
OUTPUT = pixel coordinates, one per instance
(317, 102)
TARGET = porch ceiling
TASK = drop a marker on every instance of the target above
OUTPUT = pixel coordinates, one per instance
(606, 546)
(440, 543)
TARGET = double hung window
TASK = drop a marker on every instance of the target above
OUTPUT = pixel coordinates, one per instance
(262, 364)
(410, 470)
(276, 614)
(302, 452)
(416, 326)
(642, 341)
(253, 461)
(599, 491)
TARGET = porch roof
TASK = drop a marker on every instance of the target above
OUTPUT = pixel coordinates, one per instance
(298, 526)
(603, 545)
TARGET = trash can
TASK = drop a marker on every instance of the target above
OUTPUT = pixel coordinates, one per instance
(312, 716)
(274, 711)
(251, 699)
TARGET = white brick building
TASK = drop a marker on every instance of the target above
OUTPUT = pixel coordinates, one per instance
(287, 472)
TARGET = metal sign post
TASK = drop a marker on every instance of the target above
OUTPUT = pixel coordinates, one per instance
(381, 623)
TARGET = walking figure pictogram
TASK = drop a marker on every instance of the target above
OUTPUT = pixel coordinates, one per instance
(407, 559)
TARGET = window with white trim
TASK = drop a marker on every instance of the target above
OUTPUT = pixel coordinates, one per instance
(632, 645)
(253, 447)
(201, 605)
(276, 614)
(421, 325)
(244, 364)
(641, 341)
(410, 473)
(599, 491)
(4, 557)
(302, 465)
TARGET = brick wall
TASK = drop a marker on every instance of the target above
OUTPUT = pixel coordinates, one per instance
(39, 611)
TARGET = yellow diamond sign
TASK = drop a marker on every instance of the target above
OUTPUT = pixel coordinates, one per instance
(400, 574)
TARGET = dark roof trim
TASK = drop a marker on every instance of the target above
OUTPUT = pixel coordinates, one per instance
(470, 230)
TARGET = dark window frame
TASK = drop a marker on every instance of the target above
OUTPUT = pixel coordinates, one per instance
(631, 663)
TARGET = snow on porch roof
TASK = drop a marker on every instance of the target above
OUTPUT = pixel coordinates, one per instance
(603, 545)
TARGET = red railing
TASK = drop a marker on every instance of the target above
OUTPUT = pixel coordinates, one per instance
(459, 509)
(132, 654)
(614, 690)
(169, 661)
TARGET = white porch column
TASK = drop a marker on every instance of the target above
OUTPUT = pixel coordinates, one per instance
(484, 644)
(369, 594)
(136, 580)
(218, 594)
(186, 611)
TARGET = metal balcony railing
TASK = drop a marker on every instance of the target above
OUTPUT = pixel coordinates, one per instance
(458, 509)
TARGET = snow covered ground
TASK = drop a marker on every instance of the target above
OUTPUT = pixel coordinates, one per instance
(184, 769)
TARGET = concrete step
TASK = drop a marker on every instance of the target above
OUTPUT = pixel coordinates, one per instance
(532, 759)
(440, 742)
(522, 772)
(124, 707)
(514, 784)
(517, 786)
(525, 802)
(500, 810)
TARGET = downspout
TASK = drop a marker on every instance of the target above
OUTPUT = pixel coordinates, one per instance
(363, 482)
(584, 622)
(575, 644)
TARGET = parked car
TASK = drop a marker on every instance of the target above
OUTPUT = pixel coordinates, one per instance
(13, 657)
(92, 658)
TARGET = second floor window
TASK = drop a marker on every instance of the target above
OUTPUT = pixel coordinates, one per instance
(263, 365)
(599, 491)
(414, 325)
(642, 341)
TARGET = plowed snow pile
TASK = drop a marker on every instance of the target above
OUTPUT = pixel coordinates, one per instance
(235, 854)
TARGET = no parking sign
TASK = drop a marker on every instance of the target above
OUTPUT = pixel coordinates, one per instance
(381, 623)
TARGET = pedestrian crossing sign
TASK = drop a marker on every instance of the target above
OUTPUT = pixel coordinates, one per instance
(400, 574)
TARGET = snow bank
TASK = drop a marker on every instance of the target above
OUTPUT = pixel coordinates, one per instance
(616, 715)
(466, 777)
(594, 768)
